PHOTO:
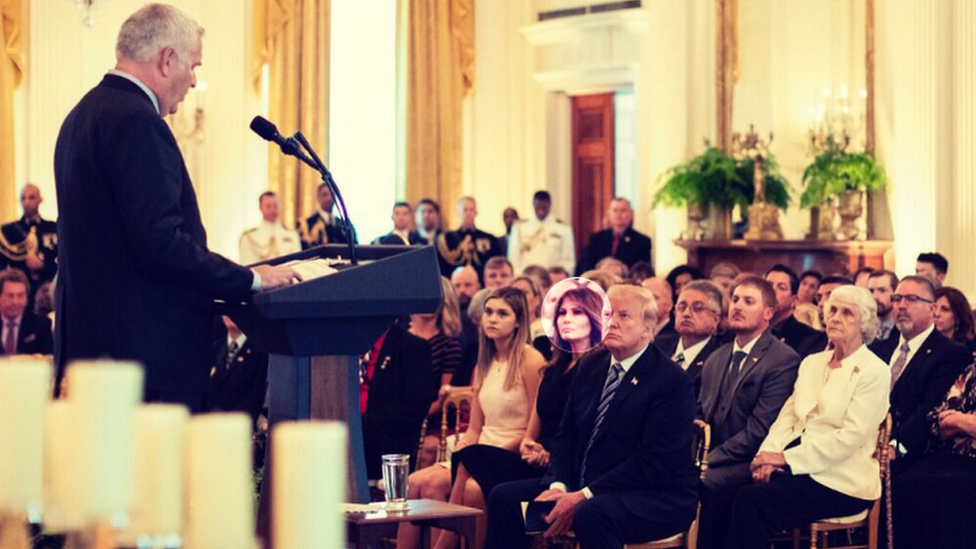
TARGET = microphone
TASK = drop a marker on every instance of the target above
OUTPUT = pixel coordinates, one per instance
(269, 132)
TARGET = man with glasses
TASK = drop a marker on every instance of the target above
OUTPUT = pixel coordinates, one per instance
(924, 363)
(696, 318)
(744, 385)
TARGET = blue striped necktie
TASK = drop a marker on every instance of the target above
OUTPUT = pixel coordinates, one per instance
(613, 381)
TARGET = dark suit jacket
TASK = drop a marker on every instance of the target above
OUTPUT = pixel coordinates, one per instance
(641, 452)
(922, 385)
(800, 337)
(740, 419)
(136, 280)
(400, 392)
(668, 343)
(633, 248)
(240, 387)
(314, 231)
(33, 336)
(395, 240)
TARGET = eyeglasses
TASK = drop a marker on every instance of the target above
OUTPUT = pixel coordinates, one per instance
(696, 308)
(909, 299)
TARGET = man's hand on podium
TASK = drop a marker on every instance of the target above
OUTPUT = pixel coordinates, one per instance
(276, 277)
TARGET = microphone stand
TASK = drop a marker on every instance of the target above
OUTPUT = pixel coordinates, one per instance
(318, 165)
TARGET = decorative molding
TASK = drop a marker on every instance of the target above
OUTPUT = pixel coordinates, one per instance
(569, 29)
(586, 81)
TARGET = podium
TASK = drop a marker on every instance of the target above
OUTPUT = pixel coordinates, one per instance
(315, 331)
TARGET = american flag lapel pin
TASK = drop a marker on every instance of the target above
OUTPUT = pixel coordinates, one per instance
(633, 381)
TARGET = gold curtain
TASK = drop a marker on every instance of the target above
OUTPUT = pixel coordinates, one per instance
(440, 72)
(292, 37)
(11, 72)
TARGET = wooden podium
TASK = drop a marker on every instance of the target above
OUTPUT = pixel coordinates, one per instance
(315, 331)
(828, 257)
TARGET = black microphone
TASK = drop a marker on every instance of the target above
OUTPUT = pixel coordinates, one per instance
(269, 132)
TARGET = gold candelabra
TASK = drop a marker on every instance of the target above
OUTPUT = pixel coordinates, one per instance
(836, 121)
(763, 217)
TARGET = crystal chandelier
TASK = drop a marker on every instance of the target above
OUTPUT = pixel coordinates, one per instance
(86, 7)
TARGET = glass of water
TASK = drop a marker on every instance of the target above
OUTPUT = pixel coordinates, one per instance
(396, 468)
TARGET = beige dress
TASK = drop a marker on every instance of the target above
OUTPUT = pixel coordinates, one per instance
(506, 412)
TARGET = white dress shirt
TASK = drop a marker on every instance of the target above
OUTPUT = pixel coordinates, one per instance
(691, 353)
(913, 345)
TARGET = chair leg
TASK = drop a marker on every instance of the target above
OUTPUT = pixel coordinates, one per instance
(813, 537)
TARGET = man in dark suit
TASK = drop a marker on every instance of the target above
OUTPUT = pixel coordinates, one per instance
(427, 218)
(239, 376)
(23, 332)
(882, 286)
(30, 243)
(800, 337)
(321, 227)
(696, 318)
(744, 385)
(924, 363)
(397, 386)
(401, 235)
(136, 280)
(620, 240)
(621, 470)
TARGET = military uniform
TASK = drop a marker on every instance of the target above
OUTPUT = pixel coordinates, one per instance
(546, 242)
(20, 239)
(321, 228)
(267, 241)
(466, 247)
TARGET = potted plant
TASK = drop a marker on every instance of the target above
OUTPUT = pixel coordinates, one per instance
(836, 174)
(713, 179)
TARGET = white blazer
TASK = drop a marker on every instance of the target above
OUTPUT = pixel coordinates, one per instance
(837, 422)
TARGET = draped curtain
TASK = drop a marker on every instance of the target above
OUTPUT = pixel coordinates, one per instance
(11, 72)
(292, 38)
(440, 72)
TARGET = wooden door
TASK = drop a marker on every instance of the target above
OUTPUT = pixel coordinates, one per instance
(592, 163)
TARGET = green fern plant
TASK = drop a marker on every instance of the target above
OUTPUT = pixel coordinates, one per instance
(835, 171)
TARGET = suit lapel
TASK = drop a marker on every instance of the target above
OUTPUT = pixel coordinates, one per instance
(628, 385)
(723, 356)
(748, 366)
(922, 356)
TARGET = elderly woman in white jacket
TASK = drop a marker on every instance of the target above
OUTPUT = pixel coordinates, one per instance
(818, 459)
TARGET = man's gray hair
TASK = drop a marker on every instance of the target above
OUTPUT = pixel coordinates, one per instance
(154, 27)
(710, 290)
(866, 305)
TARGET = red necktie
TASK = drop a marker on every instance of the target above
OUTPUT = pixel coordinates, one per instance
(10, 342)
(613, 247)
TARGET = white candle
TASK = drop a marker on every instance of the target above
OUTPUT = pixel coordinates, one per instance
(309, 484)
(25, 388)
(59, 459)
(158, 481)
(220, 492)
(104, 396)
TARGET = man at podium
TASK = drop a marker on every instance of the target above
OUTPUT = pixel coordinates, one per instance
(136, 279)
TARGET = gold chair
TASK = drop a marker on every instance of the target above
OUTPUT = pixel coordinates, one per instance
(820, 530)
(457, 397)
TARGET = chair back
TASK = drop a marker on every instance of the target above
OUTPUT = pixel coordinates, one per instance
(457, 398)
(702, 441)
(882, 451)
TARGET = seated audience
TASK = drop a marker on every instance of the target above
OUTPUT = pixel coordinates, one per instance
(239, 375)
(641, 271)
(442, 330)
(613, 265)
(397, 385)
(604, 279)
(786, 327)
(818, 460)
(498, 273)
(681, 275)
(663, 296)
(23, 332)
(401, 235)
(932, 500)
(933, 266)
(696, 318)
(954, 317)
(620, 241)
(827, 285)
(882, 285)
(723, 275)
(861, 276)
(540, 275)
(534, 298)
(557, 274)
(806, 300)
(744, 385)
(466, 285)
(506, 383)
(620, 467)
(923, 362)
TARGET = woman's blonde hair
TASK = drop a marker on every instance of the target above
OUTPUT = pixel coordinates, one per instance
(519, 339)
(449, 315)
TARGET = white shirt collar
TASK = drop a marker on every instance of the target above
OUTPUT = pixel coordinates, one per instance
(913, 345)
(747, 348)
(691, 353)
(405, 235)
(241, 339)
(139, 83)
(629, 361)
